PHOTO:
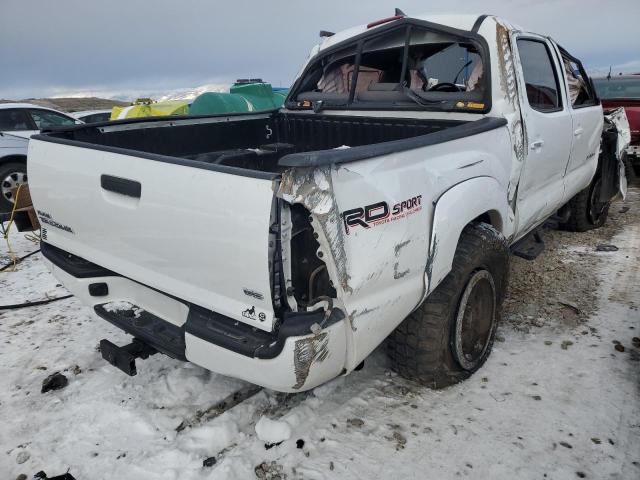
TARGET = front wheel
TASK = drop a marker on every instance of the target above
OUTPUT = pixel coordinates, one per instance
(12, 175)
(451, 334)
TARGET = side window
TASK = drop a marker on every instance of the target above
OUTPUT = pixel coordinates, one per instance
(540, 76)
(97, 117)
(580, 91)
(14, 120)
(44, 118)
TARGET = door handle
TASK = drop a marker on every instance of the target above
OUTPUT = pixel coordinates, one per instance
(578, 131)
(120, 185)
(537, 144)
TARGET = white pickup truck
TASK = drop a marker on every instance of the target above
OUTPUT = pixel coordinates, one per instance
(412, 156)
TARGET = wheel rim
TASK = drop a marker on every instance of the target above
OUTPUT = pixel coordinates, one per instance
(475, 321)
(10, 184)
(596, 207)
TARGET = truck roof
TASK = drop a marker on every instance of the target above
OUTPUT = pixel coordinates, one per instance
(459, 21)
(26, 105)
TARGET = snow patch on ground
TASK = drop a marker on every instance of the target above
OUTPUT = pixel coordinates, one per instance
(555, 401)
(272, 431)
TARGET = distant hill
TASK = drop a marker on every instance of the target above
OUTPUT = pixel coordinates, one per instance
(73, 104)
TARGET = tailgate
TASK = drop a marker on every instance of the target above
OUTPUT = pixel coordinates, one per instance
(194, 233)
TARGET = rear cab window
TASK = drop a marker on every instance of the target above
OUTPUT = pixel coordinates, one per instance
(408, 65)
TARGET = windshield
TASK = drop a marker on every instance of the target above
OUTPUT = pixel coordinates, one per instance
(403, 67)
(619, 88)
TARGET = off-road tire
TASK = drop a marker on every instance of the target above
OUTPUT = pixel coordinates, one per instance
(5, 170)
(580, 220)
(422, 347)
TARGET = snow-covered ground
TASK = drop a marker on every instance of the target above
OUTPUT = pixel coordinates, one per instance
(555, 400)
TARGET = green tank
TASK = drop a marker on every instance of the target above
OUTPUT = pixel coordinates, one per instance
(243, 96)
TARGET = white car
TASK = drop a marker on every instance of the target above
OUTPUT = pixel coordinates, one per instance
(18, 121)
(93, 116)
(411, 157)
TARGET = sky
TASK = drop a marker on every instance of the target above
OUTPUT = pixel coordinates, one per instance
(127, 48)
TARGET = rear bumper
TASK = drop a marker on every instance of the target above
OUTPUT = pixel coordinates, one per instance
(291, 360)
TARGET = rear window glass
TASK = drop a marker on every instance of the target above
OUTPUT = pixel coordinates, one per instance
(404, 66)
(441, 65)
(623, 88)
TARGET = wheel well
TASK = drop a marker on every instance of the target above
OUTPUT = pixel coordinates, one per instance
(13, 158)
(492, 218)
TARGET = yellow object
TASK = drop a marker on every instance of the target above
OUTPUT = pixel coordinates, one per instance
(475, 105)
(159, 109)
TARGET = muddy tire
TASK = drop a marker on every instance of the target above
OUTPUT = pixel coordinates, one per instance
(12, 174)
(586, 212)
(451, 334)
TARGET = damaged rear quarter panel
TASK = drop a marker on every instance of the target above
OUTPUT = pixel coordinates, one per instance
(379, 271)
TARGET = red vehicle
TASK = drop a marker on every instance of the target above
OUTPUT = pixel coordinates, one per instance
(624, 91)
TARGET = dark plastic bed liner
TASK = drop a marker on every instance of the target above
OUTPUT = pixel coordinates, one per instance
(314, 137)
(331, 157)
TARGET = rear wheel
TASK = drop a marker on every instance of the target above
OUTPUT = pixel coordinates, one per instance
(587, 212)
(629, 169)
(12, 175)
(451, 334)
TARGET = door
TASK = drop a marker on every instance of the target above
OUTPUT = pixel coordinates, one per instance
(587, 119)
(548, 127)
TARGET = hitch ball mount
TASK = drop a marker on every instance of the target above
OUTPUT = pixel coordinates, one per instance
(124, 358)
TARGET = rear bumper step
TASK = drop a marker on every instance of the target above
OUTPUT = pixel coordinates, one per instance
(205, 324)
(150, 329)
(305, 350)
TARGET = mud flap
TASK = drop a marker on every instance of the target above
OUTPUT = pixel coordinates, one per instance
(616, 136)
(609, 169)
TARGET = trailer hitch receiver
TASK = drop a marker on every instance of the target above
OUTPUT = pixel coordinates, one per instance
(124, 358)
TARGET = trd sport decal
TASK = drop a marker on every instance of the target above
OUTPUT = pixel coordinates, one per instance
(379, 213)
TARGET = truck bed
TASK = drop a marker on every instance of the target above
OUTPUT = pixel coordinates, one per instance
(258, 142)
